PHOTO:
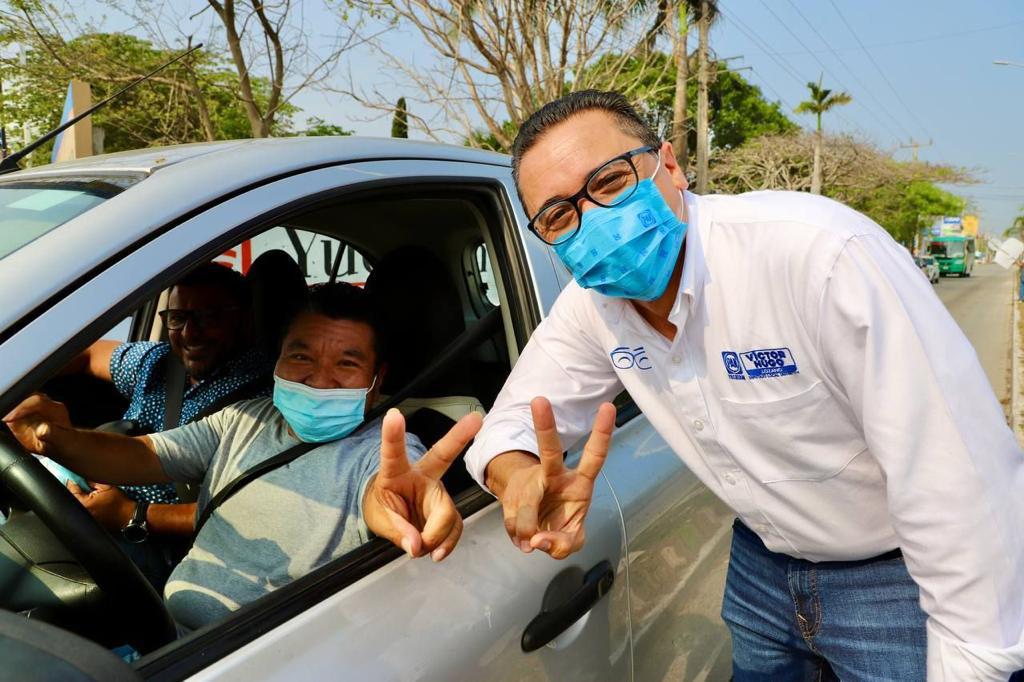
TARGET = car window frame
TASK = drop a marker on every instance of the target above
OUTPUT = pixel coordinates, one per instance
(198, 650)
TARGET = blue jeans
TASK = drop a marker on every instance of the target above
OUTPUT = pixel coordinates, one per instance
(793, 620)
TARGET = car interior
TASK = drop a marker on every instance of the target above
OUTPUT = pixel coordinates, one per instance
(452, 338)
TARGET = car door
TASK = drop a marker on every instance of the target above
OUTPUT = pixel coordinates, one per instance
(401, 619)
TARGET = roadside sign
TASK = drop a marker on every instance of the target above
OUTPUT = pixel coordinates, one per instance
(1008, 252)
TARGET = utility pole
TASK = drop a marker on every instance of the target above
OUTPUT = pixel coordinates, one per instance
(915, 145)
(704, 26)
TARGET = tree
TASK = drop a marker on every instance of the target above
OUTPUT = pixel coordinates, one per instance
(400, 122)
(821, 101)
(902, 196)
(268, 43)
(317, 127)
(497, 62)
(188, 102)
(737, 112)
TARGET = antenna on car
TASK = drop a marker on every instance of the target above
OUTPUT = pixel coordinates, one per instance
(10, 163)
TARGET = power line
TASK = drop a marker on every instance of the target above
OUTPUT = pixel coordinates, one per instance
(879, 68)
(851, 72)
(912, 41)
(782, 63)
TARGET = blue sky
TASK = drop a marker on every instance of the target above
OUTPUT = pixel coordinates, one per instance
(917, 70)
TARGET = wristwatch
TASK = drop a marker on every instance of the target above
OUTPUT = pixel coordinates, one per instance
(136, 530)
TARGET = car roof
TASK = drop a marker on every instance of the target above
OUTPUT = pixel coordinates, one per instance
(177, 180)
(275, 155)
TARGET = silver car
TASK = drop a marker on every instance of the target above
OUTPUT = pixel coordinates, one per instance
(88, 248)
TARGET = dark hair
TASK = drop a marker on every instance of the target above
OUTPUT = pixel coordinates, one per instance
(564, 108)
(343, 301)
(215, 275)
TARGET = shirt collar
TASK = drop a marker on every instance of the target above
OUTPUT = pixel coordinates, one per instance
(691, 284)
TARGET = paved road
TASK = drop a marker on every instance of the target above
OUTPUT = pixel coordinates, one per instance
(981, 306)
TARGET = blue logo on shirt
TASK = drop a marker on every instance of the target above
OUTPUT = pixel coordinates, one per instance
(732, 365)
(625, 357)
(759, 364)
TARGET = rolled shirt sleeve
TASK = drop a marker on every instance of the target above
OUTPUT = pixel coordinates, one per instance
(186, 452)
(126, 364)
(561, 362)
(954, 472)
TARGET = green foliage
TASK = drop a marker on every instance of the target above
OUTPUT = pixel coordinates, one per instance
(164, 110)
(738, 109)
(317, 127)
(822, 100)
(400, 121)
(907, 208)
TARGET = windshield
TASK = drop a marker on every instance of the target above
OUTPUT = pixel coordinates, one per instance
(31, 208)
(946, 249)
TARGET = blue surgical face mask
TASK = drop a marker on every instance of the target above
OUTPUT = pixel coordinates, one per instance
(318, 415)
(629, 250)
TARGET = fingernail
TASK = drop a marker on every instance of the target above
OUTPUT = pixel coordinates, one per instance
(438, 554)
(544, 545)
(525, 546)
(407, 546)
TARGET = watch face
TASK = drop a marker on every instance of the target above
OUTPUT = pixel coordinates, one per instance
(135, 533)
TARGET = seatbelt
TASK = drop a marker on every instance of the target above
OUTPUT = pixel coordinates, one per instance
(174, 377)
(174, 380)
(481, 330)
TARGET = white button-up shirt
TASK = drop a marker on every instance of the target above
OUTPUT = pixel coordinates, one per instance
(820, 388)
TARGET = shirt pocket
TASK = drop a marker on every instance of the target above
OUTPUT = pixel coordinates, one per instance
(804, 437)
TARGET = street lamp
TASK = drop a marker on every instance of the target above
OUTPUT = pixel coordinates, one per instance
(1006, 62)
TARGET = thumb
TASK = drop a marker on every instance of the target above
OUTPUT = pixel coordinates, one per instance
(75, 489)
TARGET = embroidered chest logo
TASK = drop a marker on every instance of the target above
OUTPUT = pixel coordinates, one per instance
(759, 364)
(625, 357)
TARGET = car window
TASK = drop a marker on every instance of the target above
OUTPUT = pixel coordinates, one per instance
(480, 279)
(318, 255)
(31, 208)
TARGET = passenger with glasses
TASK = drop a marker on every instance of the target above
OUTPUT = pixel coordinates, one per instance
(789, 352)
(208, 319)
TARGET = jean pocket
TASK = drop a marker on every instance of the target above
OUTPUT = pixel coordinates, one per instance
(803, 437)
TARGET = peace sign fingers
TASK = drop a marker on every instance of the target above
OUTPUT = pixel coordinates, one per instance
(440, 457)
(549, 445)
(393, 459)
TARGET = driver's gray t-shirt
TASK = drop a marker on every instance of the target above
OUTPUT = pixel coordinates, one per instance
(278, 527)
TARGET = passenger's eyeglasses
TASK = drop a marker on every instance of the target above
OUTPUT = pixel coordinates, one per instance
(176, 319)
(610, 185)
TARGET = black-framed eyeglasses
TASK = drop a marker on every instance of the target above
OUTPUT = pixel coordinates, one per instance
(175, 319)
(610, 185)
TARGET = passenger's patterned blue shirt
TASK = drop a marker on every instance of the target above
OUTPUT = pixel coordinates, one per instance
(139, 372)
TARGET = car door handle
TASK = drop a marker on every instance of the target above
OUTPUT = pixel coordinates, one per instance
(549, 624)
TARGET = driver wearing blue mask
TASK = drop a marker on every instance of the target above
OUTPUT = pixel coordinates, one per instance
(295, 518)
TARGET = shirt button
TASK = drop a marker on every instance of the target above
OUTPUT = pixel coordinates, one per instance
(676, 359)
(698, 425)
(729, 478)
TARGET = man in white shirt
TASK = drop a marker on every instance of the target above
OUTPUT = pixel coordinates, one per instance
(795, 358)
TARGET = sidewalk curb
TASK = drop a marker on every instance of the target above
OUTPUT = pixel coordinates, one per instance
(1015, 367)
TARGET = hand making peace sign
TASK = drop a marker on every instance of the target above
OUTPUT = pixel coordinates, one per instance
(546, 504)
(407, 503)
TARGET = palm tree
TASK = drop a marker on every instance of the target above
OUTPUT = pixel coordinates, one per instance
(822, 100)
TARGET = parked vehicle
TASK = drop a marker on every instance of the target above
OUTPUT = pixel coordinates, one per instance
(87, 248)
(929, 267)
(954, 253)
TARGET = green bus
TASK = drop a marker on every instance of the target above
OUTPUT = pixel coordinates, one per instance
(954, 254)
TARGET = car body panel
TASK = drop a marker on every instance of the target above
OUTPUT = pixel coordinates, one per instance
(665, 535)
(459, 620)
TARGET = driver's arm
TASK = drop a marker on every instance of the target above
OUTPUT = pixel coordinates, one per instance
(42, 426)
(94, 360)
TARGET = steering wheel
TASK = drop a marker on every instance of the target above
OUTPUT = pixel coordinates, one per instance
(132, 597)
